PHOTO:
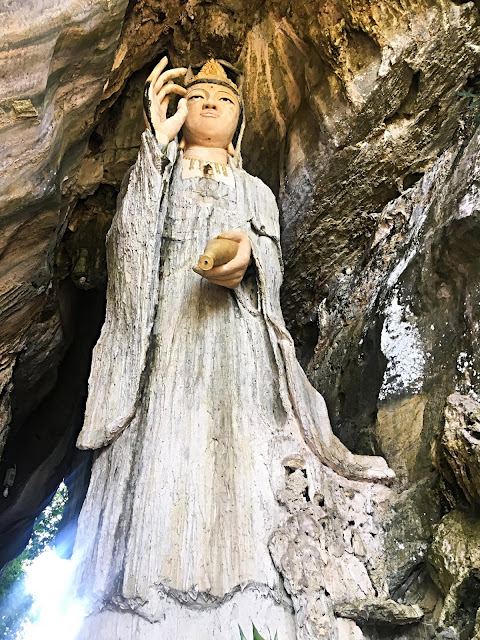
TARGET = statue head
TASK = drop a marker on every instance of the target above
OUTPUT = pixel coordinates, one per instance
(215, 110)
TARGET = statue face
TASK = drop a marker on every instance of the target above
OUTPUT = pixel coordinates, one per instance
(213, 112)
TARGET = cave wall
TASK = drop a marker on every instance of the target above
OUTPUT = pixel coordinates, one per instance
(354, 119)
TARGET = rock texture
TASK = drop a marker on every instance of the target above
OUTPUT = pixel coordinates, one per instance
(460, 441)
(455, 564)
(369, 611)
(355, 120)
(334, 525)
(54, 70)
(47, 113)
(396, 339)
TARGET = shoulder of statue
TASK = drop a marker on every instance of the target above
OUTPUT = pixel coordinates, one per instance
(261, 189)
(263, 205)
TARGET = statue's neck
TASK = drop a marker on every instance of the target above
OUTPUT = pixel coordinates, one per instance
(212, 154)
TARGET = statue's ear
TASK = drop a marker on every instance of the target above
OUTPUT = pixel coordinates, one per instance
(231, 149)
(182, 144)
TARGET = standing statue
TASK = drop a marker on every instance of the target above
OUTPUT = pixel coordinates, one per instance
(197, 406)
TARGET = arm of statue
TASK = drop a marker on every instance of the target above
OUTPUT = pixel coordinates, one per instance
(231, 273)
(133, 258)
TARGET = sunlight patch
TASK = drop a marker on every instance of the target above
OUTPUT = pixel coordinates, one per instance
(57, 617)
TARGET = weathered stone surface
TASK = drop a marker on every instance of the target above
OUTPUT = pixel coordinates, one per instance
(454, 559)
(42, 446)
(377, 611)
(48, 106)
(330, 548)
(50, 90)
(461, 445)
(54, 66)
(391, 329)
(5, 405)
(377, 109)
(393, 347)
(402, 444)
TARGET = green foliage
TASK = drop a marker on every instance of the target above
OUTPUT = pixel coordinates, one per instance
(15, 602)
(474, 104)
(46, 525)
(13, 571)
(256, 635)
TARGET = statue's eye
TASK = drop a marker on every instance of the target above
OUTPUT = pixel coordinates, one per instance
(195, 96)
(227, 100)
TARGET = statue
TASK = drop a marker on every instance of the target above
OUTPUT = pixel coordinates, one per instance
(197, 406)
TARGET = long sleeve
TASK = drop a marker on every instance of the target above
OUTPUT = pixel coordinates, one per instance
(133, 257)
(298, 395)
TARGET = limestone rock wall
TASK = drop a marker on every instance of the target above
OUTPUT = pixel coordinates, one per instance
(396, 341)
(354, 119)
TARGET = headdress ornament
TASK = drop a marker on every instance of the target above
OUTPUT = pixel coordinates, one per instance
(212, 71)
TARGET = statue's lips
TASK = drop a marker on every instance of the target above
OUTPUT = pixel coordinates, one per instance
(209, 114)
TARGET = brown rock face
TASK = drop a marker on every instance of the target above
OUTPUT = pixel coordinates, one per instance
(461, 445)
(354, 118)
(54, 67)
(454, 562)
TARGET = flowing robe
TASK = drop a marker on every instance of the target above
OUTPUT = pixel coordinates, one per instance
(197, 403)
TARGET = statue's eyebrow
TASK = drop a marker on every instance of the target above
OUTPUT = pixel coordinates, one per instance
(227, 94)
(207, 94)
(196, 89)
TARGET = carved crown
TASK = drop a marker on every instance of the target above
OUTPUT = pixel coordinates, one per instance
(212, 71)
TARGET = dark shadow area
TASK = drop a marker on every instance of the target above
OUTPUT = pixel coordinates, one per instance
(42, 445)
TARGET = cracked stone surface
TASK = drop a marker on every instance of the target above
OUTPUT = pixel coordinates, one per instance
(461, 445)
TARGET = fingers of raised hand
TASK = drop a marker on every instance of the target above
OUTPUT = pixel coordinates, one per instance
(180, 115)
(167, 77)
(153, 77)
(182, 106)
(170, 88)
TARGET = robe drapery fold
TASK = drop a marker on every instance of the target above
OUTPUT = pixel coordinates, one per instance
(133, 256)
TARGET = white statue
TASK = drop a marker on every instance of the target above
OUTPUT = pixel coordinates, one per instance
(196, 403)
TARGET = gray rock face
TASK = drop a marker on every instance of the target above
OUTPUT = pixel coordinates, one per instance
(380, 612)
(389, 319)
(355, 120)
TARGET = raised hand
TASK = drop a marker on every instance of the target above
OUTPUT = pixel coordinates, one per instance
(158, 89)
(231, 273)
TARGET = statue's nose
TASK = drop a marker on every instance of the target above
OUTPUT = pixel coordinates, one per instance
(209, 104)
